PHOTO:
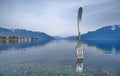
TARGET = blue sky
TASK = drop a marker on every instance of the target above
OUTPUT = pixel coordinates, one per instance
(58, 17)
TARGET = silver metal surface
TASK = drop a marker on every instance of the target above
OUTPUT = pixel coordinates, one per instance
(79, 46)
(79, 20)
(79, 49)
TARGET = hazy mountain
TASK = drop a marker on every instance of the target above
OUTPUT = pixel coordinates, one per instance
(58, 37)
(72, 38)
(24, 33)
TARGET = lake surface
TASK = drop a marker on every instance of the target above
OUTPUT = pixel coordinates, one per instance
(58, 58)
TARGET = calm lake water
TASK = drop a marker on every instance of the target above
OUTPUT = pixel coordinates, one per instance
(58, 58)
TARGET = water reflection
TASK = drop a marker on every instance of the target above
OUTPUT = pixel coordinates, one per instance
(52, 60)
(79, 66)
(7, 44)
(108, 46)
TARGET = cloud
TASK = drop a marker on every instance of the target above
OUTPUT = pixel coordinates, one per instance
(57, 17)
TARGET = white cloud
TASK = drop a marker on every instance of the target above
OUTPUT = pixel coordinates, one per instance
(58, 17)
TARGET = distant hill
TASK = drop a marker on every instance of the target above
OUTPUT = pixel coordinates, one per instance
(58, 38)
(24, 33)
(6, 32)
(105, 33)
(72, 38)
(111, 32)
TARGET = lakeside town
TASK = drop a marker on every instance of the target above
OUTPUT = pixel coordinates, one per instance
(15, 38)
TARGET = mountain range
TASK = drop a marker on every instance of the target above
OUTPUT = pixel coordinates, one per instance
(25, 33)
(111, 32)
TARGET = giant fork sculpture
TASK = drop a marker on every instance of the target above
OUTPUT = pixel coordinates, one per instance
(79, 65)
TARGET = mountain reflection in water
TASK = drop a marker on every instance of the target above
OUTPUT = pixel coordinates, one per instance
(7, 44)
(56, 58)
(108, 46)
